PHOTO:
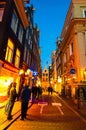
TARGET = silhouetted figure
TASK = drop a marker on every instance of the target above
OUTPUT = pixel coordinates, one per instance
(34, 93)
(50, 90)
(25, 97)
(39, 91)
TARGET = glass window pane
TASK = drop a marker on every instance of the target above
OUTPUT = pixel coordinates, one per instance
(20, 34)
(9, 51)
(85, 14)
(14, 22)
(17, 58)
(1, 13)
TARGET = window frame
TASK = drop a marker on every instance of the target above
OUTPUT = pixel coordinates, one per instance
(1, 14)
(14, 22)
(17, 58)
(9, 51)
(2, 7)
(20, 33)
(84, 13)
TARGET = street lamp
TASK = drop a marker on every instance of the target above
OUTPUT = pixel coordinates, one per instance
(21, 72)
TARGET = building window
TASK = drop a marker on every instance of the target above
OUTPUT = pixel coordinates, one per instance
(9, 51)
(20, 34)
(43, 74)
(14, 22)
(65, 57)
(2, 7)
(1, 13)
(25, 52)
(17, 58)
(27, 32)
(68, 53)
(28, 57)
(29, 40)
(46, 74)
(71, 49)
(84, 13)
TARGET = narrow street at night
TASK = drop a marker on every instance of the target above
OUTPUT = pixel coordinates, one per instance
(42, 64)
(50, 112)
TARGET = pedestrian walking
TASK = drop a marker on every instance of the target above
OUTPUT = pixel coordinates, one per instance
(50, 90)
(39, 92)
(25, 97)
(34, 93)
(11, 100)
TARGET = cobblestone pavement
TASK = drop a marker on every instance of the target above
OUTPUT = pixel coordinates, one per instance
(50, 113)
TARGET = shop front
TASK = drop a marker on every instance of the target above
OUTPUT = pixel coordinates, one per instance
(8, 74)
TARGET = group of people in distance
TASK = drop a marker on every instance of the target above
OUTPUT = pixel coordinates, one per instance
(24, 97)
(36, 92)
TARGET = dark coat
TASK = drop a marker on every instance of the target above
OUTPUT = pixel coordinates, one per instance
(25, 95)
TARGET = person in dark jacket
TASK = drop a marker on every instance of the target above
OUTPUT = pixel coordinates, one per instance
(50, 90)
(39, 92)
(25, 97)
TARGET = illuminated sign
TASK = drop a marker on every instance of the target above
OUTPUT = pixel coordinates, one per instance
(35, 73)
(9, 67)
(72, 71)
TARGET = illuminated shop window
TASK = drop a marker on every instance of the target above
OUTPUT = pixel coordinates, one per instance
(4, 83)
(9, 51)
(17, 58)
(14, 22)
(20, 34)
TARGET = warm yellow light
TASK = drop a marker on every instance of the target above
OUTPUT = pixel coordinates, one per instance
(68, 79)
(73, 91)
(55, 86)
(17, 58)
(9, 51)
(6, 80)
(4, 83)
(39, 82)
(74, 77)
(21, 72)
(59, 79)
(85, 72)
(28, 71)
(51, 82)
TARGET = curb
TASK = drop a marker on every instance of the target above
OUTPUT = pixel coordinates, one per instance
(16, 115)
(72, 109)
